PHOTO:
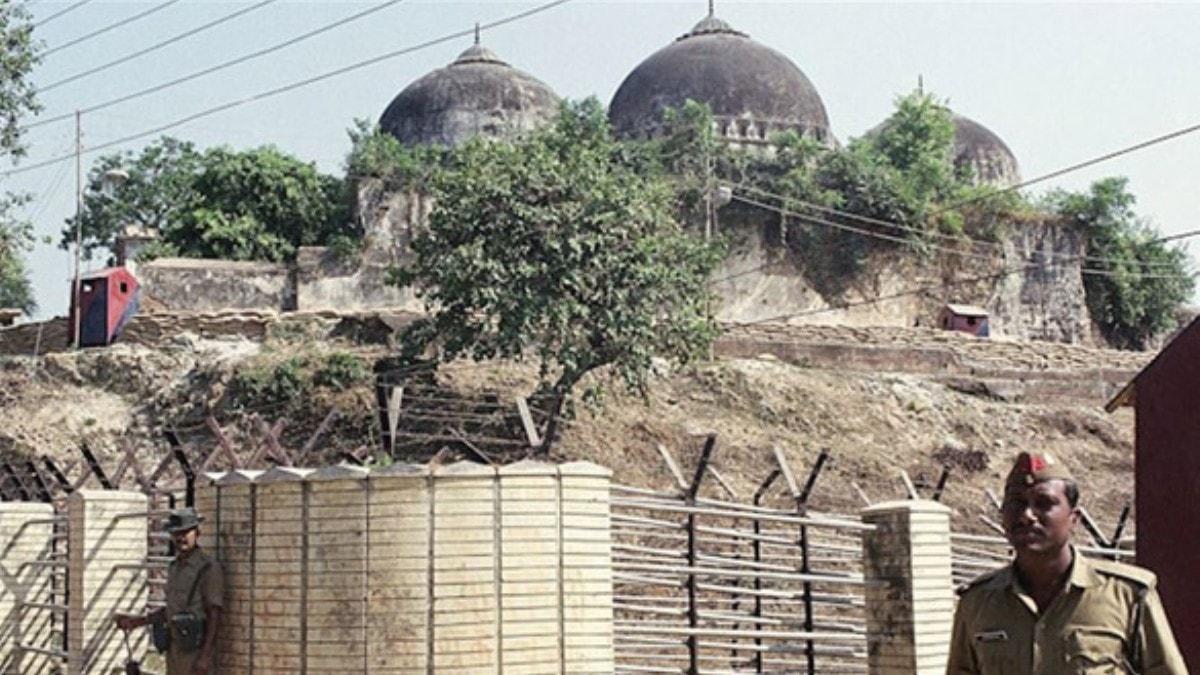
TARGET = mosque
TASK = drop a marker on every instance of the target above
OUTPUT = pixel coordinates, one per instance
(754, 92)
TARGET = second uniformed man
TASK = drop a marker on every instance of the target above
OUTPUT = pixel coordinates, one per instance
(1052, 610)
(195, 590)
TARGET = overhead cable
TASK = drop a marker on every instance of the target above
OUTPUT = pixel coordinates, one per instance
(1081, 165)
(954, 238)
(112, 26)
(918, 290)
(888, 237)
(212, 69)
(61, 12)
(290, 87)
(1175, 237)
(156, 46)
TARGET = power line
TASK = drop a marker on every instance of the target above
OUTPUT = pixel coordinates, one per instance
(156, 46)
(112, 26)
(46, 195)
(1081, 165)
(221, 66)
(914, 291)
(856, 230)
(1175, 237)
(294, 85)
(911, 229)
(61, 12)
(889, 296)
(987, 258)
(900, 294)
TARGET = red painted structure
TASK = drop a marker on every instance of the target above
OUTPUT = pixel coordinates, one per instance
(108, 298)
(1165, 395)
(966, 319)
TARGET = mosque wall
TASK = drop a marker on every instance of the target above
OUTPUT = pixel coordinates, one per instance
(386, 217)
(1033, 290)
(1044, 298)
(211, 285)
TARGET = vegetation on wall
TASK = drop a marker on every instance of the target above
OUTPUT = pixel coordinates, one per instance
(897, 188)
(377, 154)
(257, 204)
(559, 247)
(17, 100)
(1134, 281)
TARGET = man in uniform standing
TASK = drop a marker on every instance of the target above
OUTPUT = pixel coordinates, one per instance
(1052, 610)
(195, 595)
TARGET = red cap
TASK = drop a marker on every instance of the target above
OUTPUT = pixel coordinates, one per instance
(1034, 467)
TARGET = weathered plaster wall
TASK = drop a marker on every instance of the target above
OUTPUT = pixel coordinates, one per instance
(1045, 300)
(387, 219)
(1033, 287)
(206, 285)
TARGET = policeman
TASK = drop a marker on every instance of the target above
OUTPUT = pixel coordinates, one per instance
(195, 592)
(1052, 610)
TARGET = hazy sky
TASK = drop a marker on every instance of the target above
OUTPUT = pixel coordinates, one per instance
(1060, 83)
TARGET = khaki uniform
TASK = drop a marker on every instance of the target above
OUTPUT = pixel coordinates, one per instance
(210, 592)
(1086, 629)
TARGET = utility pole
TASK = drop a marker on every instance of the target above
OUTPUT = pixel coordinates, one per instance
(76, 329)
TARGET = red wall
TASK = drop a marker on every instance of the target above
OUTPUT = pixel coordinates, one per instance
(118, 301)
(1168, 483)
(963, 323)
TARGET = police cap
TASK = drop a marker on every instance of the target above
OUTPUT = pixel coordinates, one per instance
(1035, 467)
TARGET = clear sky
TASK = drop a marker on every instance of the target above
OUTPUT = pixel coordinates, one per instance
(1060, 83)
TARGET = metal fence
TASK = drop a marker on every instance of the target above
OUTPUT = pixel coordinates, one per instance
(714, 586)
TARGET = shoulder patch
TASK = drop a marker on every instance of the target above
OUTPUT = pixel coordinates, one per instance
(1138, 575)
(980, 580)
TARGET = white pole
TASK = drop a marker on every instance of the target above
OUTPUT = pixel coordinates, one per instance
(76, 287)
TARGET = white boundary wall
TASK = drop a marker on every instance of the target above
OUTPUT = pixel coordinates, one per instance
(456, 569)
(25, 577)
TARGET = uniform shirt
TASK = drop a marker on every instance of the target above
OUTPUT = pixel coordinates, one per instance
(210, 592)
(1086, 629)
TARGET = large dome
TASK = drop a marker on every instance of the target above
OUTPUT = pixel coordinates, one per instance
(753, 90)
(478, 94)
(981, 151)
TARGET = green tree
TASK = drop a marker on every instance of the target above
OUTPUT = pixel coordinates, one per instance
(16, 237)
(258, 204)
(554, 246)
(17, 99)
(1134, 282)
(917, 143)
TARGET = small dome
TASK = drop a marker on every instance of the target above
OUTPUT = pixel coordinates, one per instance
(753, 90)
(980, 150)
(476, 95)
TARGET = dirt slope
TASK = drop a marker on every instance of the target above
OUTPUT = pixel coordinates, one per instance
(875, 423)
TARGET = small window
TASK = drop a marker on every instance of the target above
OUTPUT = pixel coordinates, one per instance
(970, 319)
(124, 288)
